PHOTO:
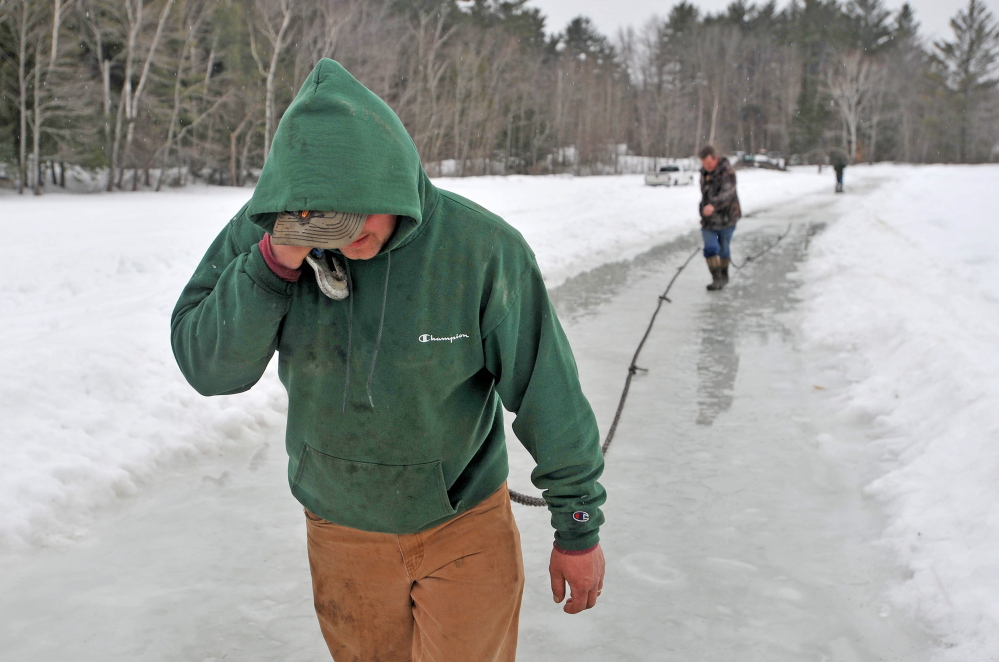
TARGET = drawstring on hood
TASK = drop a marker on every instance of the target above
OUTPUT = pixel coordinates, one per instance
(381, 326)
(350, 331)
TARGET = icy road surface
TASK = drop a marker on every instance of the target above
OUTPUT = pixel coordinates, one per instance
(733, 534)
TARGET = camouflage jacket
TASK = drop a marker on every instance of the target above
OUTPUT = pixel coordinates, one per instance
(718, 189)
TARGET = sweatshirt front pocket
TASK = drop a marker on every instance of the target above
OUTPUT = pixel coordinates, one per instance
(387, 498)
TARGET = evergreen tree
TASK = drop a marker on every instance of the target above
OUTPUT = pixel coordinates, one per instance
(967, 64)
(870, 25)
(816, 30)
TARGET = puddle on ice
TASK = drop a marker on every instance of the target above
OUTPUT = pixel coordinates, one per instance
(730, 535)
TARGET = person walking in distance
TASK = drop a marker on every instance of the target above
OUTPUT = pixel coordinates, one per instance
(720, 211)
(839, 161)
(419, 317)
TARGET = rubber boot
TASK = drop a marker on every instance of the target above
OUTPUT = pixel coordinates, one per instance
(714, 266)
(724, 269)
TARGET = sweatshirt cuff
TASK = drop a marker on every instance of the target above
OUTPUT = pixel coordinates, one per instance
(284, 273)
(256, 268)
(579, 528)
(573, 552)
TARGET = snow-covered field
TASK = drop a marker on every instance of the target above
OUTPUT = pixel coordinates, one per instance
(901, 306)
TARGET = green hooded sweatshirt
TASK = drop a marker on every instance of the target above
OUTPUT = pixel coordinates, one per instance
(395, 394)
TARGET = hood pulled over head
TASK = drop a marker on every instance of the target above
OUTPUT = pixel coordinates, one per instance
(338, 147)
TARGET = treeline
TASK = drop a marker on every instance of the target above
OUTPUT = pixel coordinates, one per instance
(153, 91)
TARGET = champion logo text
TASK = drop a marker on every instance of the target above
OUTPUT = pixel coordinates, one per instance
(428, 337)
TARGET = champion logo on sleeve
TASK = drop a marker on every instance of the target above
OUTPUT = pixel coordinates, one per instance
(581, 516)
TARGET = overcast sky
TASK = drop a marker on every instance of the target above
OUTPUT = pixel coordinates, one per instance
(609, 15)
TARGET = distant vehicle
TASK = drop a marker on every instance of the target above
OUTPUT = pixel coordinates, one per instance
(768, 161)
(669, 175)
(771, 161)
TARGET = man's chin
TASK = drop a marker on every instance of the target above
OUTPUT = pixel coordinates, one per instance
(359, 252)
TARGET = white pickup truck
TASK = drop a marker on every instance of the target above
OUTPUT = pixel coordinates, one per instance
(669, 175)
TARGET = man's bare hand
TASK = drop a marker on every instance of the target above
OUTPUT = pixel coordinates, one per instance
(289, 256)
(585, 575)
(708, 210)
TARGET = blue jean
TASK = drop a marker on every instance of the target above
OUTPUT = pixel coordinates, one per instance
(718, 242)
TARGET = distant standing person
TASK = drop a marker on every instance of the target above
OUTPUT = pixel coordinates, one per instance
(839, 161)
(720, 211)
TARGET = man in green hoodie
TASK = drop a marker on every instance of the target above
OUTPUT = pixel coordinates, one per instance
(421, 316)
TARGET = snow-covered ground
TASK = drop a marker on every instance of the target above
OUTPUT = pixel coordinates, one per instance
(901, 308)
(903, 313)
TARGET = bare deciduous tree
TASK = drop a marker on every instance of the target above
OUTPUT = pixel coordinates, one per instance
(849, 81)
(131, 98)
(273, 18)
(26, 18)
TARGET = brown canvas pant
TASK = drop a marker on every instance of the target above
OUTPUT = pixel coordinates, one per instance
(449, 594)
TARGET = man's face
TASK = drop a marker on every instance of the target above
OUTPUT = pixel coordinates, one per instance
(378, 229)
(710, 162)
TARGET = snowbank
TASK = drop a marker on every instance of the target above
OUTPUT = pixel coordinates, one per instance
(92, 402)
(903, 301)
